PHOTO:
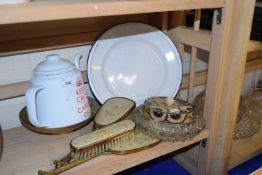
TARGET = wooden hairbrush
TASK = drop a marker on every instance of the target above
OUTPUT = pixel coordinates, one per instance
(137, 143)
(90, 145)
(113, 110)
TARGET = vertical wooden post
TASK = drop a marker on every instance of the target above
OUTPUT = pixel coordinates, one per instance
(225, 74)
(164, 20)
(177, 18)
(181, 50)
(193, 57)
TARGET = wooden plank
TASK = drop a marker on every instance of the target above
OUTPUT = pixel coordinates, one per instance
(192, 81)
(200, 39)
(244, 149)
(226, 69)
(212, 98)
(193, 58)
(177, 18)
(254, 55)
(15, 38)
(164, 20)
(42, 29)
(58, 9)
(41, 48)
(47, 43)
(254, 46)
(253, 65)
(181, 50)
(26, 152)
(257, 172)
(200, 79)
(38, 36)
(14, 90)
(18, 89)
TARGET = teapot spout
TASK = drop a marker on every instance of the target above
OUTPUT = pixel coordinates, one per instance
(77, 60)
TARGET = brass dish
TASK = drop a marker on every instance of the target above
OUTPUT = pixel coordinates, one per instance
(57, 131)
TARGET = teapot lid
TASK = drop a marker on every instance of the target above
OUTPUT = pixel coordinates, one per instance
(53, 65)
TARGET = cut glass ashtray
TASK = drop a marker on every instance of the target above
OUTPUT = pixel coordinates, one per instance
(167, 119)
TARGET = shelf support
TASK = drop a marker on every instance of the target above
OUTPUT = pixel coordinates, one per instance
(225, 74)
(193, 57)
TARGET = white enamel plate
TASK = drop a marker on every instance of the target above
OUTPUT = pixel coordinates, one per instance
(136, 61)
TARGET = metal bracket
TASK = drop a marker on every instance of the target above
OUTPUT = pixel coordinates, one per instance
(204, 143)
(219, 16)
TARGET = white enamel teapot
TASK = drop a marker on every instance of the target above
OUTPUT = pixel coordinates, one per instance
(57, 97)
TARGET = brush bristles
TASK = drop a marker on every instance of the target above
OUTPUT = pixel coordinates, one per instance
(93, 152)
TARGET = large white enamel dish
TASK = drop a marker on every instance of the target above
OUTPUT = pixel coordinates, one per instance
(136, 61)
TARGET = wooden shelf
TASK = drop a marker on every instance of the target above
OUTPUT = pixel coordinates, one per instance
(19, 89)
(25, 152)
(245, 149)
(254, 46)
(202, 39)
(257, 172)
(47, 35)
(44, 10)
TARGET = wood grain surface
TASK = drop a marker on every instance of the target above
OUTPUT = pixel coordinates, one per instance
(25, 152)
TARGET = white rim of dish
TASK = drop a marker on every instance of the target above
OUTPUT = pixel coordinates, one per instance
(91, 52)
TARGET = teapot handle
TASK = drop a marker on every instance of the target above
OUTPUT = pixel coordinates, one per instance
(31, 105)
(77, 60)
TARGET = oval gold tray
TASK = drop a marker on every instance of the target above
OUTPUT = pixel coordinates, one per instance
(57, 131)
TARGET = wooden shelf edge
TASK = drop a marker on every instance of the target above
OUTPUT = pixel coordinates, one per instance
(245, 149)
(202, 39)
(26, 51)
(18, 89)
(58, 9)
(186, 35)
(25, 152)
(254, 46)
(257, 172)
